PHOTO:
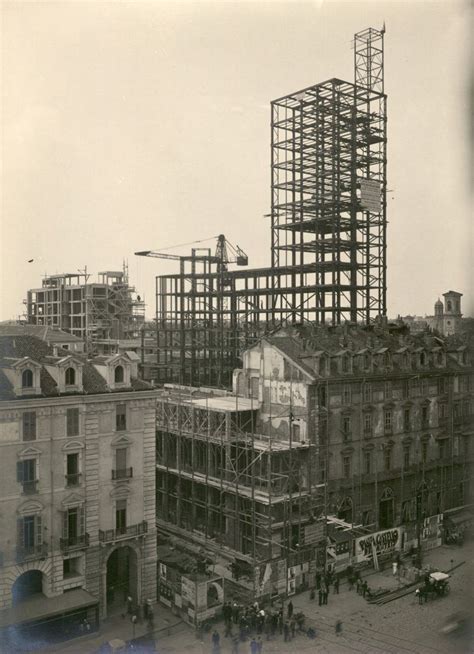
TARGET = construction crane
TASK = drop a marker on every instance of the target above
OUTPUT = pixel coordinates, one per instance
(225, 253)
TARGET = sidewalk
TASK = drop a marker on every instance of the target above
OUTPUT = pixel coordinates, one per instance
(165, 624)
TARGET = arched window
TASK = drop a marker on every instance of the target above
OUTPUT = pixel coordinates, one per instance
(27, 378)
(70, 377)
(450, 306)
(118, 375)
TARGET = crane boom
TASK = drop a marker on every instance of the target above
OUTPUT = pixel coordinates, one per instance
(225, 253)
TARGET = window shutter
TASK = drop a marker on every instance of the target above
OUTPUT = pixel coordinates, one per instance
(19, 471)
(65, 529)
(19, 532)
(82, 521)
(38, 530)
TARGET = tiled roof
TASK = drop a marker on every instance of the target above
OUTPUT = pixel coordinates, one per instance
(45, 333)
(13, 348)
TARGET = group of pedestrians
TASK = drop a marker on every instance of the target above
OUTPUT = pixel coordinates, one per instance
(256, 624)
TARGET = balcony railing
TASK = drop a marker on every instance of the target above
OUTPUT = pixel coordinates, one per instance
(122, 473)
(73, 479)
(132, 531)
(29, 487)
(31, 552)
(74, 542)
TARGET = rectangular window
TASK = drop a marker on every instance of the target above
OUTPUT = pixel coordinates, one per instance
(27, 531)
(121, 458)
(26, 475)
(346, 394)
(322, 470)
(72, 419)
(323, 431)
(367, 392)
(387, 457)
(254, 387)
(424, 451)
(346, 427)
(424, 387)
(322, 396)
(424, 416)
(388, 390)
(388, 421)
(367, 463)
(346, 466)
(29, 426)
(442, 448)
(121, 516)
(367, 424)
(406, 456)
(442, 411)
(441, 385)
(406, 420)
(121, 417)
(72, 469)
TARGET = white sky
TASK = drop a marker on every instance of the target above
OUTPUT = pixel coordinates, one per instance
(132, 126)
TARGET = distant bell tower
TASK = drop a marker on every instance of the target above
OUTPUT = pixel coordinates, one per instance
(452, 312)
(438, 309)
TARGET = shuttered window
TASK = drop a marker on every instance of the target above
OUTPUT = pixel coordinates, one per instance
(72, 428)
(29, 426)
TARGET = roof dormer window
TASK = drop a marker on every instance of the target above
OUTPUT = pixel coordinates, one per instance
(27, 378)
(119, 375)
(70, 377)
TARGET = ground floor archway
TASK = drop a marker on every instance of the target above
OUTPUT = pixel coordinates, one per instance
(27, 585)
(121, 579)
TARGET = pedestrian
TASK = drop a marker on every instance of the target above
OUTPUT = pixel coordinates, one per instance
(150, 619)
(336, 585)
(286, 632)
(325, 595)
(274, 619)
(129, 605)
(365, 587)
(216, 642)
(320, 596)
(418, 594)
(235, 612)
(338, 627)
(292, 627)
(253, 646)
(290, 609)
(259, 645)
(235, 644)
(280, 621)
(358, 586)
(312, 594)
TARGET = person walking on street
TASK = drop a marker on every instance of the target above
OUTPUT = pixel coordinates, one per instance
(320, 596)
(235, 644)
(364, 588)
(358, 586)
(259, 645)
(336, 585)
(253, 646)
(290, 609)
(216, 643)
(325, 595)
(292, 627)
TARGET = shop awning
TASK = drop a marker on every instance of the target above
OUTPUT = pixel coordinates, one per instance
(41, 607)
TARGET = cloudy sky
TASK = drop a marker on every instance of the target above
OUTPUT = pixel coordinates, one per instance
(141, 125)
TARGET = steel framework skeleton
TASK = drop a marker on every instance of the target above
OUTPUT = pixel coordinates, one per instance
(328, 232)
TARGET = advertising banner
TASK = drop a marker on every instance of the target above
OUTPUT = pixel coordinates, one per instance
(370, 195)
(382, 542)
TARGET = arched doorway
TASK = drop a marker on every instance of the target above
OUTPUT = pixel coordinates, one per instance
(27, 585)
(122, 579)
(386, 509)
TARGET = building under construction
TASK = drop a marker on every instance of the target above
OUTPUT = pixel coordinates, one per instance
(333, 439)
(328, 232)
(95, 311)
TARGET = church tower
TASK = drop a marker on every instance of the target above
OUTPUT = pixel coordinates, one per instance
(452, 312)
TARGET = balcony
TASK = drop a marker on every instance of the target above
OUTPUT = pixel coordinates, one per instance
(29, 487)
(73, 479)
(31, 552)
(132, 531)
(74, 542)
(122, 473)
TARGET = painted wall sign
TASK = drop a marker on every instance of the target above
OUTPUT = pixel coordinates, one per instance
(384, 541)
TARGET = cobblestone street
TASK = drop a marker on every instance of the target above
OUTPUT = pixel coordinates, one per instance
(399, 626)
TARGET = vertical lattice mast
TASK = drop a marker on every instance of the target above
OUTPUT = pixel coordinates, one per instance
(371, 104)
